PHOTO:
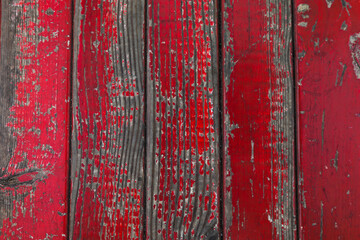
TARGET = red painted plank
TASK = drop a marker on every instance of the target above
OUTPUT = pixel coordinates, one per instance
(258, 120)
(328, 53)
(35, 64)
(182, 121)
(108, 103)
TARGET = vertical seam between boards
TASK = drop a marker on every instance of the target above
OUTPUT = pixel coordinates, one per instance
(295, 117)
(145, 116)
(221, 119)
(70, 120)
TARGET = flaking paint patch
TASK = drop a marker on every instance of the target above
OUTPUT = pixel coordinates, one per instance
(346, 6)
(321, 220)
(302, 24)
(354, 45)
(329, 3)
(303, 7)
(344, 26)
(340, 76)
(252, 158)
(335, 160)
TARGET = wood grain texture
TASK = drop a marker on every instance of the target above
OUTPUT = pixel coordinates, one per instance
(258, 120)
(328, 55)
(182, 195)
(34, 107)
(108, 115)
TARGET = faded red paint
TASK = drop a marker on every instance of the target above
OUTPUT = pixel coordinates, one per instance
(328, 117)
(258, 189)
(39, 122)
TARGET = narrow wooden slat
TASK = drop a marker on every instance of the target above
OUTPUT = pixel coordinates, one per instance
(182, 120)
(108, 115)
(258, 120)
(328, 83)
(34, 107)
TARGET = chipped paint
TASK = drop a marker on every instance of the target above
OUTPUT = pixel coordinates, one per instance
(354, 45)
(329, 3)
(303, 8)
(344, 26)
(335, 160)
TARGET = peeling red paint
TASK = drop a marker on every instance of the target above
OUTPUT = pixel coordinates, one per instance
(108, 123)
(183, 163)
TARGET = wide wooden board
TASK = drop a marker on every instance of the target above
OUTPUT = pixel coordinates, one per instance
(34, 117)
(259, 173)
(328, 85)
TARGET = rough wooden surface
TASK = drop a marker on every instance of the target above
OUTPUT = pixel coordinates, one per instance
(219, 154)
(258, 120)
(328, 83)
(34, 107)
(108, 114)
(182, 195)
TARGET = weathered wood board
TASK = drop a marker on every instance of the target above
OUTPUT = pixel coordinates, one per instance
(34, 116)
(182, 177)
(258, 120)
(108, 120)
(328, 84)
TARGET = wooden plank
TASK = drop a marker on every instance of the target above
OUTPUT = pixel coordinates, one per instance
(258, 118)
(34, 107)
(108, 115)
(182, 195)
(328, 55)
